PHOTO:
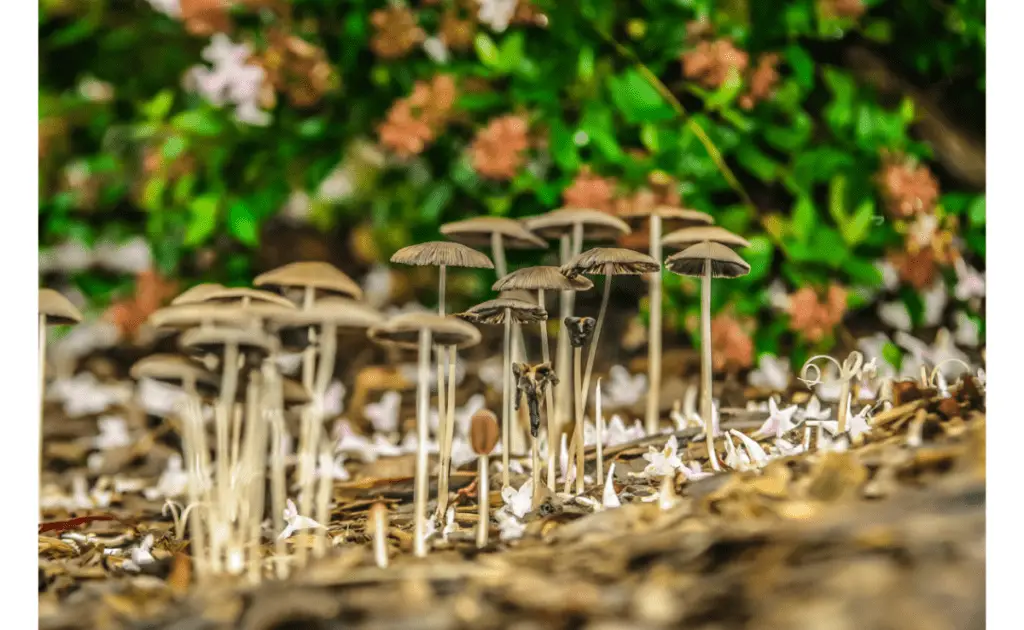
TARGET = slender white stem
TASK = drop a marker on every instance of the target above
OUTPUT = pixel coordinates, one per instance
(446, 438)
(600, 430)
(498, 251)
(705, 364)
(552, 430)
(483, 499)
(654, 332)
(506, 400)
(592, 351)
(578, 438)
(844, 394)
(42, 388)
(277, 478)
(442, 403)
(563, 357)
(380, 537)
(422, 406)
(323, 501)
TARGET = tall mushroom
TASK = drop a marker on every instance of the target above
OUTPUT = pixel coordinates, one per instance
(541, 279)
(505, 311)
(572, 227)
(441, 254)
(54, 309)
(417, 330)
(198, 293)
(500, 233)
(658, 218)
(706, 260)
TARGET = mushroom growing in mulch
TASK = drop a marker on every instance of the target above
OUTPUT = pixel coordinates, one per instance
(707, 259)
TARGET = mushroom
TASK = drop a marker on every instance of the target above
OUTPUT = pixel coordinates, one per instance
(483, 435)
(610, 261)
(505, 311)
(541, 279)
(580, 329)
(851, 368)
(658, 218)
(416, 330)
(54, 309)
(533, 381)
(197, 293)
(707, 259)
(377, 527)
(572, 227)
(441, 254)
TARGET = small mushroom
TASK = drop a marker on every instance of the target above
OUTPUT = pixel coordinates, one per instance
(483, 436)
(417, 330)
(541, 279)
(505, 311)
(377, 527)
(610, 261)
(658, 218)
(497, 232)
(533, 380)
(707, 259)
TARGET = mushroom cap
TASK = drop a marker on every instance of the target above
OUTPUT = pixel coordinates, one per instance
(483, 432)
(476, 232)
(342, 312)
(173, 369)
(614, 260)
(437, 253)
(545, 278)
(493, 312)
(670, 215)
(597, 225)
(237, 295)
(184, 316)
(212, 339)
(403, 331)
(197, 293)
(57, 308)
(725, 263)
(316, 274)
(688, 236)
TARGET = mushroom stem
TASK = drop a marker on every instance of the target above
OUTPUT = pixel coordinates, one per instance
(253, 472)
(517, 354)
(565, 300)
(442, 411)
(506, 400)
(225, 406)
(654, 331)
(592, 352)
(599, 423)
(483, 498)
(705, 363)
(323, 502)
(535, 472)
(277, 481)
(446, 438)
(422, 406)
(498, 252)
(578, 439)
(308, 455)
(193, 421)
(380, 537)
(548, 399)
(236, 435)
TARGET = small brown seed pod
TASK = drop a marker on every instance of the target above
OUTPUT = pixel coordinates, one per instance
(581, 329)
(483, 432)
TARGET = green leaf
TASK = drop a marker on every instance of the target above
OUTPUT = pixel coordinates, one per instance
(585, 64)
(563, 147)
(759, 256)
(160, 105)
(637, 99)
(802, 64)
(436, 201)
(242, 223)
(976, 211)
(892, 355)
(153, 192)
(511, 52)
(879, 31)
(837, 199)
(804, 219)
(173, 147)
(757, 162)
(198, 122)
(726, 93)
(649, 137)
(487, 52)
(856, 228)
(202, 220)
(862, 271)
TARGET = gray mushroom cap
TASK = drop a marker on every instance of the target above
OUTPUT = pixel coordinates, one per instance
(725, 263)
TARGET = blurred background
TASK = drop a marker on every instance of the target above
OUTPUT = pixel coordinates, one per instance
(209, 140)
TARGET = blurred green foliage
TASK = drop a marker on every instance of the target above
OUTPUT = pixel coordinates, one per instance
(796, 173)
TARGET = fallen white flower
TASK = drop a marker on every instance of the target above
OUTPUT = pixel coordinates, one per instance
(756, 454)
(623, 389)
(609, 499)
(509, 527)
(140, 555)
(518, 502)
(383, 415)
(663, 462)
(113, 433)
(173, 480)
(296, 522)
(772, 373)
(779, 422)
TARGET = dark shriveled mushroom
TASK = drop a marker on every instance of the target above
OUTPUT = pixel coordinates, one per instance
(581, 330)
